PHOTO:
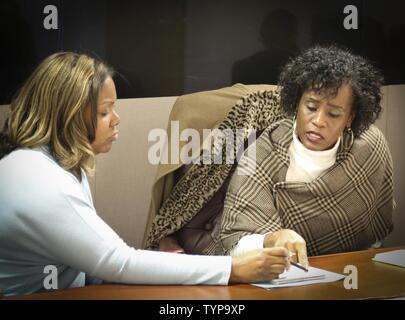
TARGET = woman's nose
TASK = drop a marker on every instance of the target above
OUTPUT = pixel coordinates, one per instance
(319, 119)
(117, 119)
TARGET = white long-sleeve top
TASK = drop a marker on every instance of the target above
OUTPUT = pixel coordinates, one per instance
(47, 217)
(305, 166)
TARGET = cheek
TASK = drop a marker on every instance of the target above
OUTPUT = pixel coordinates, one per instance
(336, 132)
(300, 121)
(103, 125)
(101, 130)
(341, 126)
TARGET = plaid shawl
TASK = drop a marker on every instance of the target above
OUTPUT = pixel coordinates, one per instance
(349, 207)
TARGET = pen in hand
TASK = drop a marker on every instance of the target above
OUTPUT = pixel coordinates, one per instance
(299, 266)
(296, 264)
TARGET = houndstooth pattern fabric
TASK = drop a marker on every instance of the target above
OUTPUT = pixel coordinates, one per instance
(349, 207)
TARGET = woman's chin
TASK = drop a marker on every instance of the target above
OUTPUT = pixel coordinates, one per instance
(317, 146)
(313, 145)
(102, 149)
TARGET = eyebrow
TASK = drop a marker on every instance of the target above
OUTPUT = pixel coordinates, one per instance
(312, 99)
(109, 101)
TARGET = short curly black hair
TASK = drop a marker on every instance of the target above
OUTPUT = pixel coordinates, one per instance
(325, 69)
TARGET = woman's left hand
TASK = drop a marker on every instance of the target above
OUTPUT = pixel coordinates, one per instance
(290, 240)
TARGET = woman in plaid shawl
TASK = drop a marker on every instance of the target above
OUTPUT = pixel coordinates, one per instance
(323, 180)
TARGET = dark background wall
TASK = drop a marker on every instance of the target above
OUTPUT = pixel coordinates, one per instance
(166, 47)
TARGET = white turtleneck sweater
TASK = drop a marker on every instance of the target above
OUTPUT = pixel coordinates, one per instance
(305, 166)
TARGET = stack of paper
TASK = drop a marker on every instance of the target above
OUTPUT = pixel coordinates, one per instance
(298, 277)
(396, 257)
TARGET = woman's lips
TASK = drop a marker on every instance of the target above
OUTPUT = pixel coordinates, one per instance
(114, 137)
(314, 136)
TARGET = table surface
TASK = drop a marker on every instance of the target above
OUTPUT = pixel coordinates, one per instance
(375, 280)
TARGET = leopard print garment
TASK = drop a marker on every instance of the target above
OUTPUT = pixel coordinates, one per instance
(254, 111)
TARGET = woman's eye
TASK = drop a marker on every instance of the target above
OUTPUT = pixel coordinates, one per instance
(334, 115)
(311, 108)
(103, 114)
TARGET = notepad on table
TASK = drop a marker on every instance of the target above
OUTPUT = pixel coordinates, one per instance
(298, 277)
(396, 257)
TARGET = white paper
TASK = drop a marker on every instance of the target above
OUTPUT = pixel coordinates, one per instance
(297, 277)
(396, 257)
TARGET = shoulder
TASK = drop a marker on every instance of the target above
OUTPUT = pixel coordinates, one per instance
(274, 139)
(30, 164)
(373, 140)
(371, 144)
(32, 178)
(372, 134)
(279, 132)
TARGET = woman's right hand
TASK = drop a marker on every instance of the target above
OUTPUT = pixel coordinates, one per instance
(259, 265)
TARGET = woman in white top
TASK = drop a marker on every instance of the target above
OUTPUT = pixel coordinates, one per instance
(61, 118)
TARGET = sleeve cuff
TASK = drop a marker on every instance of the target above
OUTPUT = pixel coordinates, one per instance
(248, 243)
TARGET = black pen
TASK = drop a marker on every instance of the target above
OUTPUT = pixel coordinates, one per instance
(299, 266)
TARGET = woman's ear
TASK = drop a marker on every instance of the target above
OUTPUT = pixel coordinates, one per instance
(350, 120)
